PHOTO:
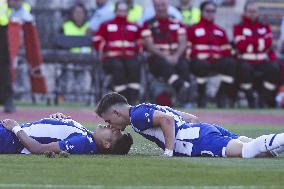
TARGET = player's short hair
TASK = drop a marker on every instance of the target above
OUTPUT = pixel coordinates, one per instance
(109, 100)
(122, 145)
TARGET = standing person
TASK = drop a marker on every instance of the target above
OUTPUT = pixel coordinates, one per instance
(190, 14)
(6, 91)
(178, 135)
(103, 13)
(253, 41)
(117, 42)
(165, 40)
(209, 51)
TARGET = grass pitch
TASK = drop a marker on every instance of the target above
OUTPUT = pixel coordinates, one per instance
(143, 168)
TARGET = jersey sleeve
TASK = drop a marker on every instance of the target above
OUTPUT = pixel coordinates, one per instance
(142, 118)
(78, 145)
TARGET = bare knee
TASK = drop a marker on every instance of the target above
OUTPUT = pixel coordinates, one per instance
(234, 148)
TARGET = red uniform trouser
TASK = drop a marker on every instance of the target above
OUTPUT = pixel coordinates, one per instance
(125, 74)
(226, 67)
(175, 75)
(263, 77)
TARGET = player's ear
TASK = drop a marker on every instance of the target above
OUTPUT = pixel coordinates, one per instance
(116, 112)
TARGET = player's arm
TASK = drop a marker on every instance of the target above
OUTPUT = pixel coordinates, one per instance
(167, 125)
(32, 145)
(188, 117)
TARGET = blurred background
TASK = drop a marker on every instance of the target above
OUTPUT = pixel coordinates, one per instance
(53, 62)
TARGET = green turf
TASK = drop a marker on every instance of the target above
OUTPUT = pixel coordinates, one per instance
(143, 168)
(82, 105)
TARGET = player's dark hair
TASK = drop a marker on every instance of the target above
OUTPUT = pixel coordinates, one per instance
(122, 145)
(205, 3)
(109, 100)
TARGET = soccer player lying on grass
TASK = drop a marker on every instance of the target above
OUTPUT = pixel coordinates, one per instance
(176, 133)
(60, 135)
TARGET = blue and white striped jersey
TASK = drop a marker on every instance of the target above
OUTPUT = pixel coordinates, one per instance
(71, 135)
(191, 139)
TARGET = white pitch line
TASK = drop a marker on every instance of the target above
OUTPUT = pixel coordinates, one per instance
(61, 186)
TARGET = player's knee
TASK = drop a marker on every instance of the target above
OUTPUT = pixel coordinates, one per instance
(234, 148)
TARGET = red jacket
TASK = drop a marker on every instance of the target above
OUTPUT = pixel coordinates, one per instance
(164, 32)
(207, 41)
(117, 38)
(253, 41)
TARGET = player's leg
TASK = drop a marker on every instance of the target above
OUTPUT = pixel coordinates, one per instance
(256, 147)
(228, 133)
(212, 142)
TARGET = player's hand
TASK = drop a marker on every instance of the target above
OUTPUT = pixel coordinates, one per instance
(59, 115)
(9, 124)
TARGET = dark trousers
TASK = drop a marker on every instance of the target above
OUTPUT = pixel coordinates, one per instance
(6, 91)
(264, 78)
(202, 69)
(125, 74)
(175, 75)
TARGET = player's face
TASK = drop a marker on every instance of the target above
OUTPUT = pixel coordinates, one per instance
(114, 119)
(108, 134)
